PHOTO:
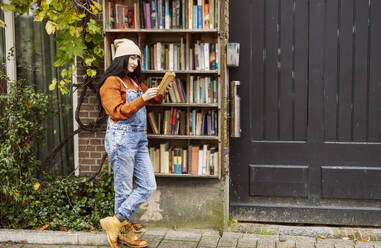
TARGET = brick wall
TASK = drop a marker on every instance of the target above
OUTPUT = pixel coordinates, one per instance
(90, 145)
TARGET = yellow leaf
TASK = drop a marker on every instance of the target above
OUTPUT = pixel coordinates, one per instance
(17, 193)
(2, 24)
(91, 72)
(36, 186)
(97, 5)
(7, 7)
(50, 27)
(28, 105)
(39, 17)
(46, 225)
(52, 85)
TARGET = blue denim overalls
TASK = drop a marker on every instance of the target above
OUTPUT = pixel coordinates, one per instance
(127, 147)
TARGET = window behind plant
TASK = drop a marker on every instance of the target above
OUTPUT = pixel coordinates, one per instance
(35, 52)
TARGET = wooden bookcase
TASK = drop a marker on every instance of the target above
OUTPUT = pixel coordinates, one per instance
(185, 72)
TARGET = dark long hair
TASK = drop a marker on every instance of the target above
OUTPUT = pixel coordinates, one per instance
(118, 68)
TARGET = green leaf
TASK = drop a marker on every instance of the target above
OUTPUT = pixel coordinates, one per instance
(64, 73)
(88, 61)
(93, 27)
(91, 72)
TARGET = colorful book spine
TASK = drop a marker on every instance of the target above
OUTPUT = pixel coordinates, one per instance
(167, 15)
(195, 17)
(147, 8)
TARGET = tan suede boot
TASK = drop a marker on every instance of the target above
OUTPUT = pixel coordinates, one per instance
(128, 237)
(138, 228)
(112, 227)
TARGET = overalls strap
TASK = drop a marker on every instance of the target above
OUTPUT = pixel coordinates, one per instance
(122, 82)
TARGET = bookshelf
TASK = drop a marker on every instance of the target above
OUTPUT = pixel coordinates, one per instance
(184, 132)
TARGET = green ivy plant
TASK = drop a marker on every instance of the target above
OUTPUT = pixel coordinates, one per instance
(30, 198)
(77, 33)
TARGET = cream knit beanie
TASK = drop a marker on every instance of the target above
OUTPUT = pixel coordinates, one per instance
(126, 47)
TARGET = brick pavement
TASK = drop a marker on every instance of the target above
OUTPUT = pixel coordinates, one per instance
(166, 238)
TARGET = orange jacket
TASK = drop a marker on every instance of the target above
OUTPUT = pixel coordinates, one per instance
(113, 97)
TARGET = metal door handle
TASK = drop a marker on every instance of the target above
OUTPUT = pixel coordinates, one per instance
(235, 111)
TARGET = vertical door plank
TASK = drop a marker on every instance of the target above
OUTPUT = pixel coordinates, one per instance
(360, 88)
(330, 70)
(316, 90)
(316, 96)
(286, 112)
(301, 68)
(375, 72)
(345, 71)
(257, 47)
(271, 69)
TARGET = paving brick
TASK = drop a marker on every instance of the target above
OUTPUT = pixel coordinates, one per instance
(153, 241)
(155, 232)
(360, 244)
(343, 243)
(229, 239)
(266, 242)
(305, 242)
(248, 240)
(209, 241)
(177, 244)
(286, 243)
(185, 236)
(325, 243)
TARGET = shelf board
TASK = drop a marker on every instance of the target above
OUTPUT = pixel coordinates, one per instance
(179, 137)
(161, 31)
(184, 175)
(182, 71)
(198, 105)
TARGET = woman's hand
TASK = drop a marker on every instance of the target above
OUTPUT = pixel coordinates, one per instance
(169, 86)
(150, 93)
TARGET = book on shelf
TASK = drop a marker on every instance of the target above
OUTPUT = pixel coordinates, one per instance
(162, 14)
(175, 122)
(203, 90)
(125, 16)
(168, 78)
(110, 15)
(193, 160)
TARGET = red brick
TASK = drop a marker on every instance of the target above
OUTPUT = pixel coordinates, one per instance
(100, 135)
(90, 135)
(100, 148)
(86, 161)
(84, 154)
(82, 141)
(95, 142)
(93, 114)
(88, 107)
(84, 168)
(93, 100)
(96, 155)
(86, 148)
(83, 114)
(94, 168)
(87, 120)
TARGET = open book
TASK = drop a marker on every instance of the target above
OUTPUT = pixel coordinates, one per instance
(167, 79)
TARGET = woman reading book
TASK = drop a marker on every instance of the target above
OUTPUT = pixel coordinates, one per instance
(123, 96)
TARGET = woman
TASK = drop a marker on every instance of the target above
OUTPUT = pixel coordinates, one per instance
(124, 97)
